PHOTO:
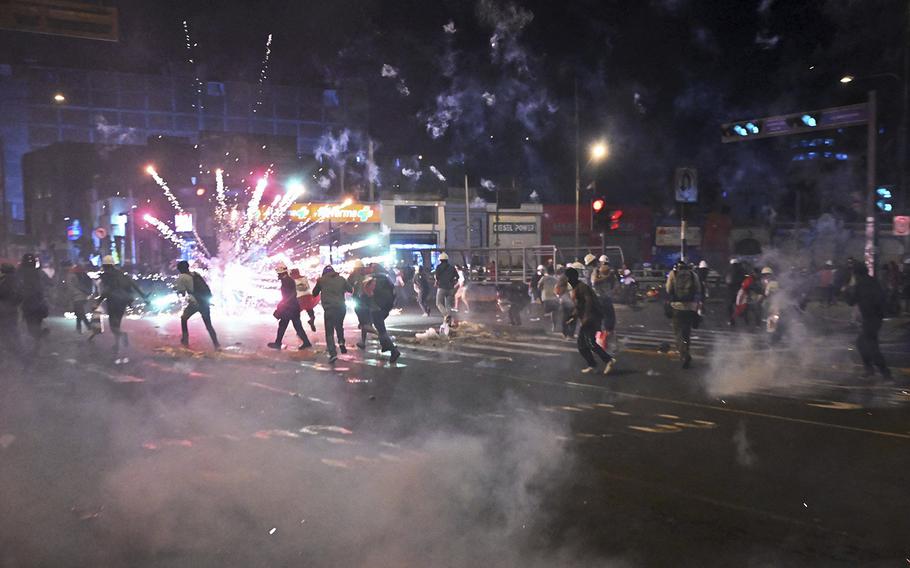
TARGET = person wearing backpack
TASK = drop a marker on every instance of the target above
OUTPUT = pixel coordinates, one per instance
(379, 293)
(446, 279)
(198, 300)
(119, 290)
(684, 291)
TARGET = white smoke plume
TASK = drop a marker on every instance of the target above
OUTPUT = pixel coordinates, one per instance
(487, 184)
(449, 28)
(115, 133)
(437, 173)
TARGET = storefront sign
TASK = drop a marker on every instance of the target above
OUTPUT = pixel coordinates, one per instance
(335, 212)
(669, 236)
(514, 228)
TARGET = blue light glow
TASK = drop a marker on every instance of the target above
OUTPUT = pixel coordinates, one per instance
(809, 120)
(752, 128)
(738, 128)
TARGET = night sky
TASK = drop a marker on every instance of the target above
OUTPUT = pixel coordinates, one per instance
(655, 78)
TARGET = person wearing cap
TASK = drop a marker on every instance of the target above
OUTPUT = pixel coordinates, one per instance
(446, 280)
(590, 268)
(288, 310)
(361, 303)
(590, 318)
(119, 290)
(193, 287)
(332, 288)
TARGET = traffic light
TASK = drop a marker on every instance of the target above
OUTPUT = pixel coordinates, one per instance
(883, 196)
(739, 130)
(600, 219)
(803, 121)
(615, 216)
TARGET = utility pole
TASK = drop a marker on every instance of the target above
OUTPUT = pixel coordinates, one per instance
(467, 218)
(577, 168)
(871, 133)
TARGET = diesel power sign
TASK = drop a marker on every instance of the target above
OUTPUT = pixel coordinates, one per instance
(515, 228)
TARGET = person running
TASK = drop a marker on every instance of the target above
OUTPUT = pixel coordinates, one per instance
(734, 281)
(702, 272)
(446, 279)
(379, 294)
(684, 291)
(359, 273)
(590, 317)
(288, 310)
(549, 299)
(76, 287)
(422, 289)
(461, 290)
(566, 304)
(866, 293)
(332, 287)
(198, 296)
(305, 296)
(33, 284)
(119, 290)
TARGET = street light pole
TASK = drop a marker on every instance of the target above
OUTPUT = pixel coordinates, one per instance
(577, 169)
(871, 134)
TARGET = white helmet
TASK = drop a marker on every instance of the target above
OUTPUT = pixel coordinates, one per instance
(626, 272)
(829, 263)
(589, 258)
(108, 260)
(604, 259)
(443, 256)
(577, 265)
(703, 264)
(767, 270)
(281, 268)
(734, 261)
(541, 268)
(357, 263)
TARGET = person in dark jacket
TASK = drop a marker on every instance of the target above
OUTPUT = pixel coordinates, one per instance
(380, 292)
(588, 314)
(359, 273)
(422, 288)
(515, 294)
(288, 310)
(10, 298)
(866, 293)
(332, 287)
(119, 291)
(33, 284)
(446, 279)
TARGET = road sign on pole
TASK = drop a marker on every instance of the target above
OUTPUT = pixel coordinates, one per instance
(686, 185)
(796, 123)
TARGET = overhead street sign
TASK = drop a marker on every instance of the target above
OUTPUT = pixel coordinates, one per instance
(796, 123)
(686, 185)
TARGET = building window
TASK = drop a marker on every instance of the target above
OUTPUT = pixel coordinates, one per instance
(215, 89)
(415, 214)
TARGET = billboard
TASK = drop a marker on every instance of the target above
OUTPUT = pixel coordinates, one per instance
(347, 212)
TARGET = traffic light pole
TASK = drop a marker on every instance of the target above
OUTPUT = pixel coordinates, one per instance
(682, 231)
(871, 230)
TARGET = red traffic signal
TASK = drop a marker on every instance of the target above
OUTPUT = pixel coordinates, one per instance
(615, 216)
(598, 204)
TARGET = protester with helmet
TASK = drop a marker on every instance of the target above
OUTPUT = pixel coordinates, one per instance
(702, 272)
(119, 290)
(446, 280)
(684, 291)
(288, 310)
(332, 287)
(305, 295)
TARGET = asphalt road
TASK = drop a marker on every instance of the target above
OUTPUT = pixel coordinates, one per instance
(489, 449)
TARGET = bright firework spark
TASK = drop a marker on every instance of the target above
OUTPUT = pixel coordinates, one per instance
(191, 59)
(175, 203)
(165, 230)
(221, 207)
(264, 72)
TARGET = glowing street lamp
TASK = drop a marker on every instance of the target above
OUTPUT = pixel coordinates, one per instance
(847, 79)
(598, 151)
(59, 98)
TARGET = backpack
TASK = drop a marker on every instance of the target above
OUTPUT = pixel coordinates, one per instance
(201, 290)
(684, 288)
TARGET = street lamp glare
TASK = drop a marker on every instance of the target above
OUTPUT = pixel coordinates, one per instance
(846, 79)
(598, 151)
(59, 98)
